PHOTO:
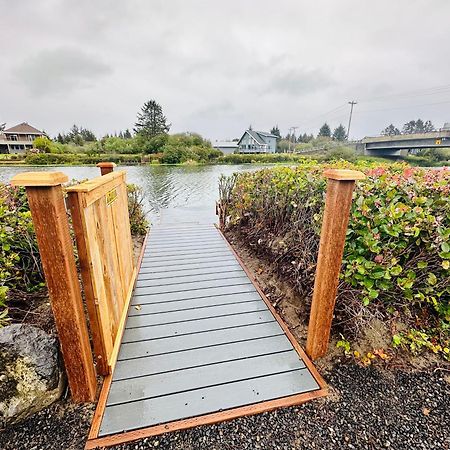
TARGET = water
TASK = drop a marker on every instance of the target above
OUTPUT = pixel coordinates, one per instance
(172, 193)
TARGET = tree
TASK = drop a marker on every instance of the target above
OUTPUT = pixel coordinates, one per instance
(127, 134)
(276, 131)
(418, 126)
(43, 143)
(151, 120)
(340, 133)
(325, 130)
(87, 135)
(428, 127)
(390, 130)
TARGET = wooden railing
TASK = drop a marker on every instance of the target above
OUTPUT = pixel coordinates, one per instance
(100, 219)
(99, 209)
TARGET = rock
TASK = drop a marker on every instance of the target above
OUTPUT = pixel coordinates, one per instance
(30, 372)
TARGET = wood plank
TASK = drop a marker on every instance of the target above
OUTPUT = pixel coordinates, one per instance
(188, 253)
(175, 243)
(199, 340)
(124, 391)
(135, 415)
(161, 260)
(181, 250)
(191, 358)
(189, 270)
(95, 322)
(179, 329)
(187, 280)
(201, 293)
(193, 303)
(194, 286)
(147, 320)
(160, 266)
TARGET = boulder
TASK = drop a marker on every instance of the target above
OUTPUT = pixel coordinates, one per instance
(31, 377)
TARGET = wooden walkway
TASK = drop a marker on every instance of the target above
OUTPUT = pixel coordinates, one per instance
(201, 343)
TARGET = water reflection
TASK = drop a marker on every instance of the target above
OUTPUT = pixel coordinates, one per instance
(172, 193)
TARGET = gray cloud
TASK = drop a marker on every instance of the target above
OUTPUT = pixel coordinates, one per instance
(298, 81)
(60, 70)
(217, 67)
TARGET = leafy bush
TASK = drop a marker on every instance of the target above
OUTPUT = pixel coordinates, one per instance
(20, 264)
(80, 158)
(264, 158)
(345, 153)
(138, 221)
(43, 143)
(397, 253)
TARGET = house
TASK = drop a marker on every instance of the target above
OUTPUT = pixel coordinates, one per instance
(257, 142)
(226, 147)
(19, 138)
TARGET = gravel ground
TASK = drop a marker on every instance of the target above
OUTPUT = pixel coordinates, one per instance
(368, 408)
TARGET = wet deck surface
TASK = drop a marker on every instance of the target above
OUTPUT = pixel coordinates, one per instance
(199, 338)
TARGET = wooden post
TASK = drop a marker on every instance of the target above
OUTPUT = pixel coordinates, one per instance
(331, 249)
(106, 167)
(51, 225)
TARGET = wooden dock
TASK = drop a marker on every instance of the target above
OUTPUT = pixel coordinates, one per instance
(201, 343)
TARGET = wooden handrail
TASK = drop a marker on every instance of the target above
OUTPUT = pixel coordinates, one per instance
(338, 201)
(51, 225)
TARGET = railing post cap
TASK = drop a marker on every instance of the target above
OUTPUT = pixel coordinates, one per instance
(39, 179)
(344, 174)
(106, 164)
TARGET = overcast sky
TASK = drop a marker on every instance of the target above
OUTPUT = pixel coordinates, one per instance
(217, 67)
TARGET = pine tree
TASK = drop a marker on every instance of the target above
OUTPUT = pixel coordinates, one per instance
(276, 131)
(127, 134)
(325, 130)
(151, 120)
(418, 126)
(390, 130)
(340, 133)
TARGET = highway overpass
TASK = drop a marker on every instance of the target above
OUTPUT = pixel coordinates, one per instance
(401, 144)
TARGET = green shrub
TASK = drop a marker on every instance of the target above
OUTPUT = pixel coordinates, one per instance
(80, 158)
(138, 221)
(264, 158)
(20, 264)
(397, 253)
(345, 153)
(43, 143)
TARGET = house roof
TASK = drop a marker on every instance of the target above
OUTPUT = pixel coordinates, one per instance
(258, 136)
(23, 128)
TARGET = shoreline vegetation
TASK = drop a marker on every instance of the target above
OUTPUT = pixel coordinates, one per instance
(83, 159)
(395, 276)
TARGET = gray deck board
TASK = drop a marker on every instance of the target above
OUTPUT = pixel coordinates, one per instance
(191, 358)
(193, 303)
(135, 415)
(198, 338)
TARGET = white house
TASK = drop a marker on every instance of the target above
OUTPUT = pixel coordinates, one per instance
(226, 147)
(257, 142)
(19, 138)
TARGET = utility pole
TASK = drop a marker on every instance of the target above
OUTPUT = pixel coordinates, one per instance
(290, 136)
(351, 103)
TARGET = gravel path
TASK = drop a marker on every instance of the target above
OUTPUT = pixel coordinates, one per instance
(368, 409)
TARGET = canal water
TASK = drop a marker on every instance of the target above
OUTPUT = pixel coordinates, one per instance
(172, 193)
